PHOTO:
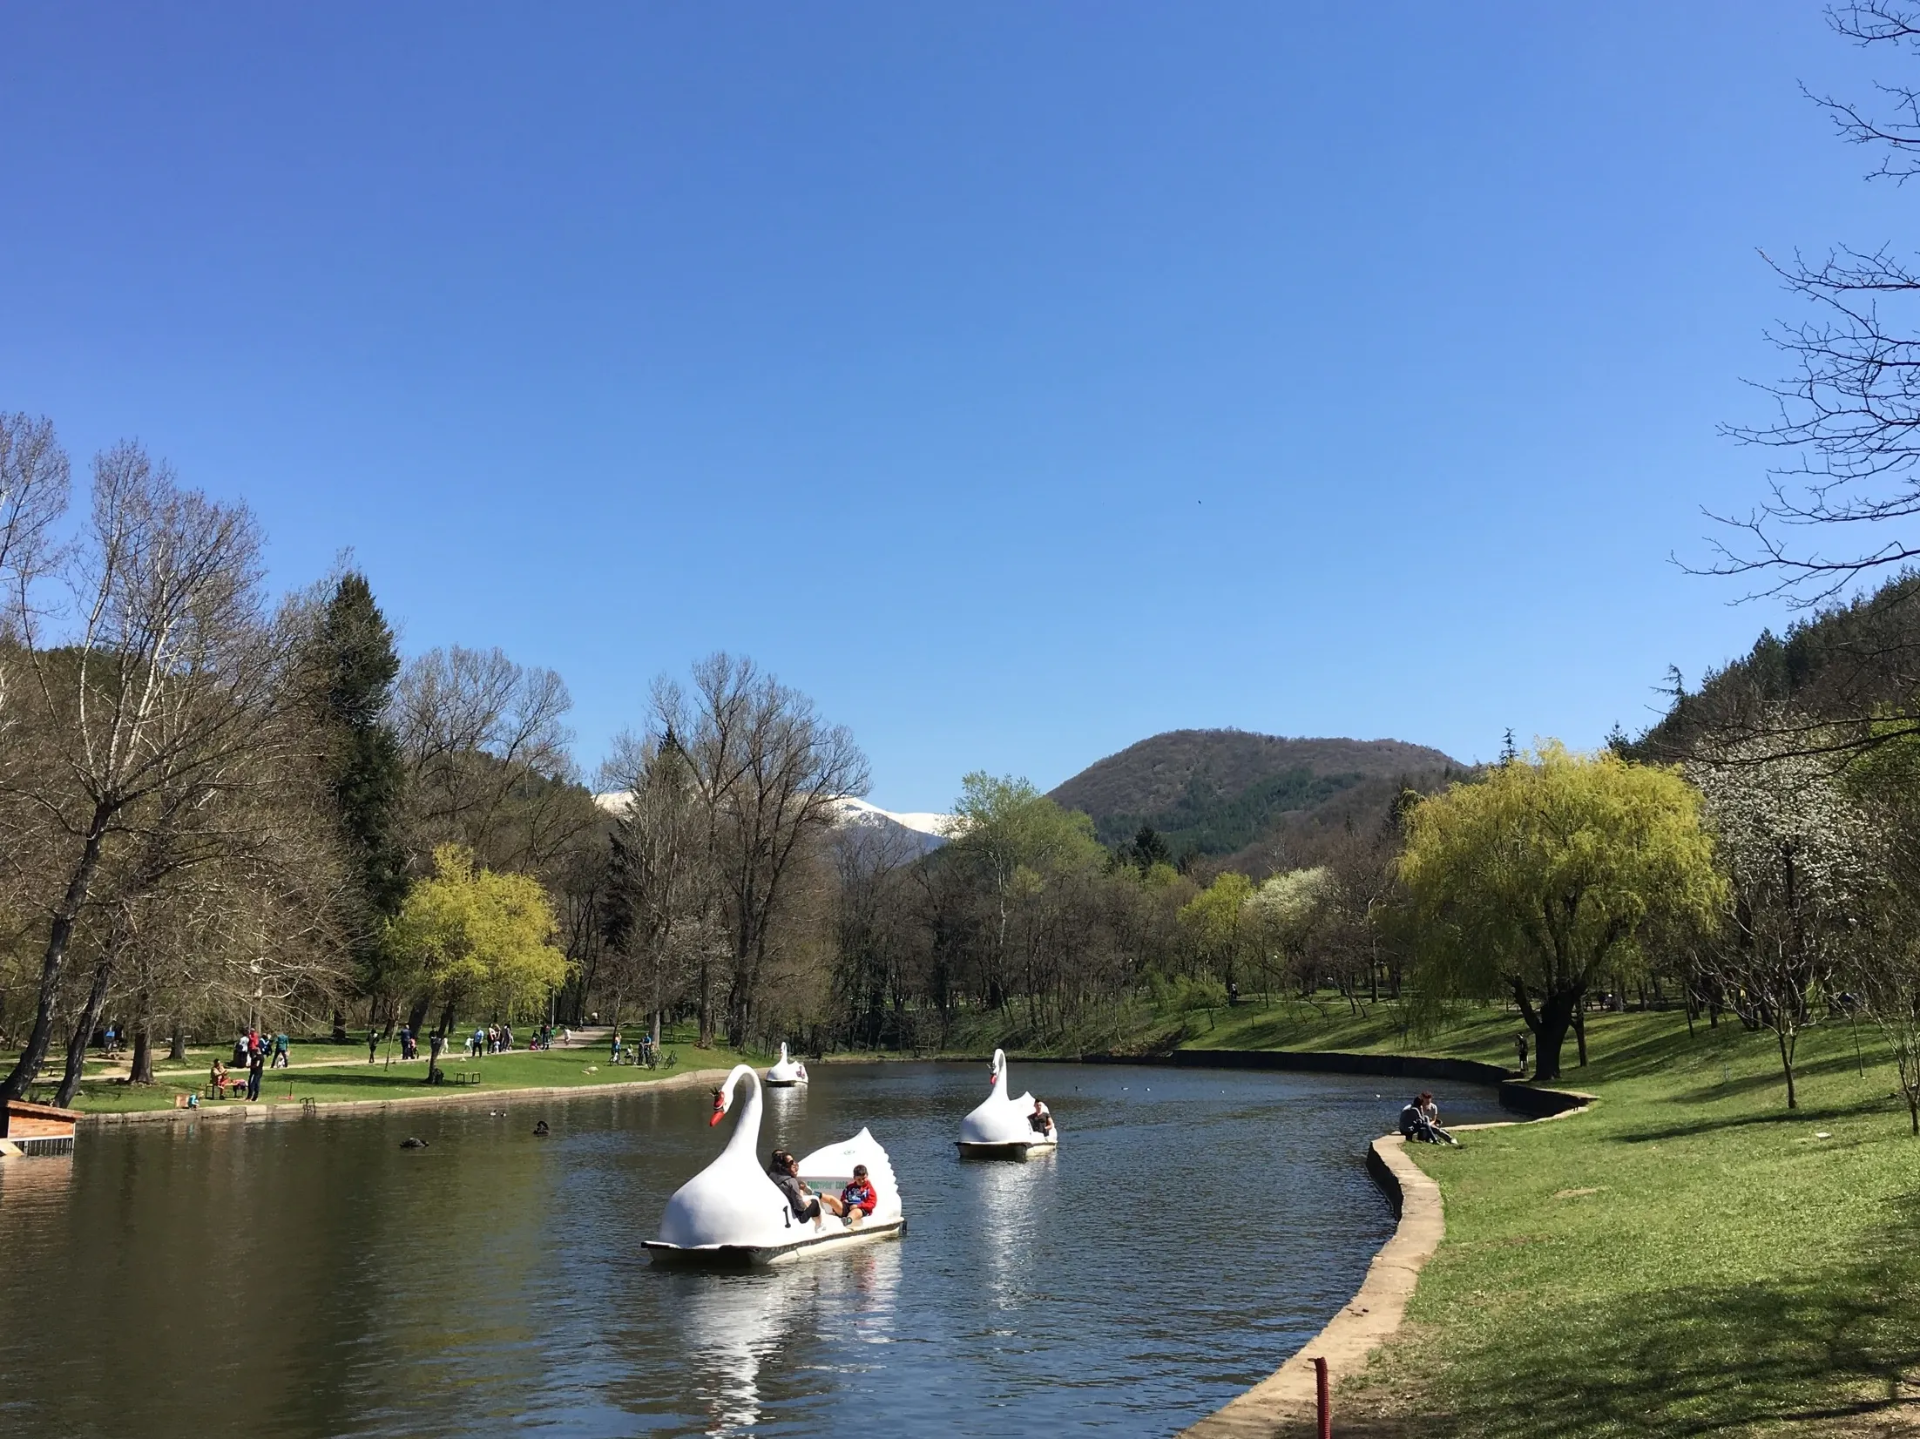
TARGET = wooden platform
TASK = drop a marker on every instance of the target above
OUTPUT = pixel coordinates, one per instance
(30, 1130)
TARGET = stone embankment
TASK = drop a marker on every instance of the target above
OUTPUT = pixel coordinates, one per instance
(1284, 1403)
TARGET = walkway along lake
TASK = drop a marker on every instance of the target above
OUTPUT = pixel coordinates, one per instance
(309, 1277)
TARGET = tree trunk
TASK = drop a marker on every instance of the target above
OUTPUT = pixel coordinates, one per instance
(417, 1015)
(142, 1071)
(1786, 1063)
(1550, 1025)
(83, 1030)
(1580, 1030)
(55, 956)
(339, 1026)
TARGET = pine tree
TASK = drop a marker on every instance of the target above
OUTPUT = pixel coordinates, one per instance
(355, 669)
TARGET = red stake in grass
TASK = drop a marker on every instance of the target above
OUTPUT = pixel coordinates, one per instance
(1320, 1393)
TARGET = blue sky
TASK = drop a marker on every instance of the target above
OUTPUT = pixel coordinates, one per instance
(1017, 380)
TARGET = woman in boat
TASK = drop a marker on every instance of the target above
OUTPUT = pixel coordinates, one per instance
(784, 1170)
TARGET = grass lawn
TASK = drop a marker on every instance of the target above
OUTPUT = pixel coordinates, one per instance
(329, 1073)
(1688, 1257)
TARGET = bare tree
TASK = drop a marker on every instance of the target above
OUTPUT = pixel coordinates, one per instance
(1848, 416)
(159, 674)
(489, 766)
(767, 772)
(662, 921)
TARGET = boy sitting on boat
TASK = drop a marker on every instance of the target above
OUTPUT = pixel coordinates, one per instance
(856, 1201)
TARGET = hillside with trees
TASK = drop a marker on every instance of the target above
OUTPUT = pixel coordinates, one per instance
(1254, 797)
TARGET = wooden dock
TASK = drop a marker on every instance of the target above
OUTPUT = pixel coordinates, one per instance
(32, 1131)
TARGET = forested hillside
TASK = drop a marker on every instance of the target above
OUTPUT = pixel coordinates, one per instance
(1838, 666)
(1226, 792)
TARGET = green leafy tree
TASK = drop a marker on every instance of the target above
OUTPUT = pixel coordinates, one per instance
(1539, 878)
(1009, 832)
(1218, 926)
(477, 937)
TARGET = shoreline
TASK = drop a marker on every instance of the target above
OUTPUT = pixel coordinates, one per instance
(242, 1111)
(1287, 1397)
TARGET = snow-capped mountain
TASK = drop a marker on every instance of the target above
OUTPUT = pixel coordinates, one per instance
(926, 831)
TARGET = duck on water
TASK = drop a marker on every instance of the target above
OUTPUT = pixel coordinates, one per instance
(731, 1215)
(1002, 1127)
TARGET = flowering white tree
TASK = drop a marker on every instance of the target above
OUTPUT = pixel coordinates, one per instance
(1799, 853)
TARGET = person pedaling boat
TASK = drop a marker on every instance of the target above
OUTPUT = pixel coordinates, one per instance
(1041, 1120)
(784, 1170)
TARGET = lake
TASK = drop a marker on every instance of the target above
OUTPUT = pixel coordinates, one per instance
(309, 1277)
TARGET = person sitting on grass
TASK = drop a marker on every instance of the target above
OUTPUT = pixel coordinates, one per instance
(1417, 1121)
(856, 1201)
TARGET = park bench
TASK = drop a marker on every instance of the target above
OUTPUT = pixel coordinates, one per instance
(466, 1076)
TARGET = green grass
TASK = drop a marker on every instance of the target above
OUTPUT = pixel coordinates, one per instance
(353, 1078)
(1685, 1258)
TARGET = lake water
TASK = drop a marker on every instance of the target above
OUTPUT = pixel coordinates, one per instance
(309, 1277)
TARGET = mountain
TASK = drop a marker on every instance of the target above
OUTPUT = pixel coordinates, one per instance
(922, 833)
(1845, 661)
(919, 833)
(1227, 792)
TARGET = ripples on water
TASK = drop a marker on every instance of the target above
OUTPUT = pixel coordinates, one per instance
(309, 1277)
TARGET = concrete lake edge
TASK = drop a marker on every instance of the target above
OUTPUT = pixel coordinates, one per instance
(1285, 1401)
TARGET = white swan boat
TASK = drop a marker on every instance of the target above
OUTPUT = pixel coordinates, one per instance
(785, 1073)
(999, 1127)
(731, 1215)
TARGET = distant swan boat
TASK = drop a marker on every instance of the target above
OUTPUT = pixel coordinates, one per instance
(999, 1127)
(731, 1215)
(785, 1073)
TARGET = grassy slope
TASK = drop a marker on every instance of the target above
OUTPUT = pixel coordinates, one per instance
(1685, 1258)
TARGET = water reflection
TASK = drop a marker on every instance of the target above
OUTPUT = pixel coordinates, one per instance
(1010, 1199)
(737, 1327)
(37, 1182)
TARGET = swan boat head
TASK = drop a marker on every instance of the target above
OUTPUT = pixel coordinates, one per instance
(731, 1201)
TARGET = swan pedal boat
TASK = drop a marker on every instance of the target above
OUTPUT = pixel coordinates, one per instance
(732, 1216)
(784, 1073)
(998, 1127)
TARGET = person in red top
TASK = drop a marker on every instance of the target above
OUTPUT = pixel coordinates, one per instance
(857, 1200)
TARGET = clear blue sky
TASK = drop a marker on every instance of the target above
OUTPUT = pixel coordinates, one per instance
(1019, 380)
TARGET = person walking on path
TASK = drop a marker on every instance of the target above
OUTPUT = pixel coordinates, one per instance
(373, 1044)
(1520, 1048)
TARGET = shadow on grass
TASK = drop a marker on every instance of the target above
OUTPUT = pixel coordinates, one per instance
(1826, 1345)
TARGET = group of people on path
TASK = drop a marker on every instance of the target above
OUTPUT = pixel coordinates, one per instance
(855, 1201)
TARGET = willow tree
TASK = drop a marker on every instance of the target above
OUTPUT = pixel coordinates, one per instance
(1538, 878)
(475, 936)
